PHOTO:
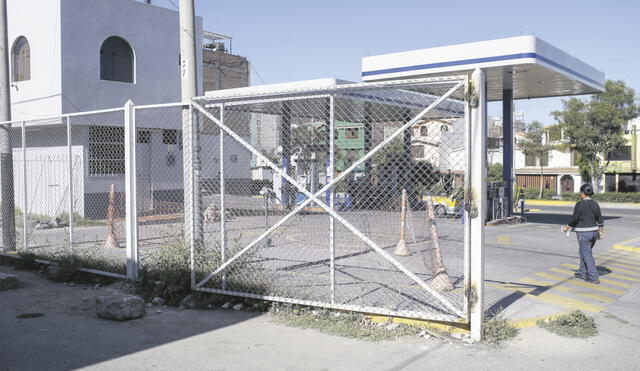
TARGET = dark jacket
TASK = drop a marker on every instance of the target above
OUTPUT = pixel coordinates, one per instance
(586, 214)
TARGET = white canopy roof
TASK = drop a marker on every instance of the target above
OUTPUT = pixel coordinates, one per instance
(532, 67)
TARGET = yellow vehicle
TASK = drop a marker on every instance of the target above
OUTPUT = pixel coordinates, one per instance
(445, 206)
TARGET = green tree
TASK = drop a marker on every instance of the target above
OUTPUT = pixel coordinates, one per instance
(595, 127)
(495, 173)
(535, 144)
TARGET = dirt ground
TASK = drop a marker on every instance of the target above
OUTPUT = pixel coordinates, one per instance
(61, 331)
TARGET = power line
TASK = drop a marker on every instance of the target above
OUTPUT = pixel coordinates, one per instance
(257, 74)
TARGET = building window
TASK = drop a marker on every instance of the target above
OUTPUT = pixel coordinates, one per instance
(444, 128)
(352, 133)
(529, 160)
(170, 136)
(621, 154)
(116, 60)
(21, 60)
(106, 150)
(233, 158)
(544, 160)
(424, 131)
(417, 152)
(144, 136)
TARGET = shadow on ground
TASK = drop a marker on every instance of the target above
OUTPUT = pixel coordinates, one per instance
(49, 325)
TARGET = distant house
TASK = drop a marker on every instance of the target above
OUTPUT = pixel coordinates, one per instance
(560, 167)
(80, 55)
(441, 143)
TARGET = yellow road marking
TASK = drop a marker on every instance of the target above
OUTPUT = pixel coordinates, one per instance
(550, 298)
(610, 275)
(602, 298)
(624, 245)
(625, 266)
(504, 240)
(605, 280)
(615, 258)
(615, 269)
(627, 254)
(579, 283)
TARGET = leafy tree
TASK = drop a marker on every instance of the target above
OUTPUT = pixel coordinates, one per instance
(595, 127)
(495, 173)
(535, 144)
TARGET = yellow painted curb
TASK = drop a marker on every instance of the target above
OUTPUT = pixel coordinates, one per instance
(447, 327)
(530, 322)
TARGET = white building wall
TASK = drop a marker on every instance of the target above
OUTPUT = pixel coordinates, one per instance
(39, 22)
(151, 31)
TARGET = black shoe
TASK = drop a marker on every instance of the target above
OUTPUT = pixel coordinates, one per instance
(595, 282)
(579, 275)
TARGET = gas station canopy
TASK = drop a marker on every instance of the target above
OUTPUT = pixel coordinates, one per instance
(531, 67)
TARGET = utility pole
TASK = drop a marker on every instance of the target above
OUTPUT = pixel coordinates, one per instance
(6, 154)
(188, 76)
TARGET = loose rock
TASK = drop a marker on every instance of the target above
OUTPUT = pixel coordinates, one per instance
(227, 305)
(120, 307)
(187, 302)
(157, 301)
(457, 335)
(8, 281)
(237, 307)
(52, 272)
(393, 326)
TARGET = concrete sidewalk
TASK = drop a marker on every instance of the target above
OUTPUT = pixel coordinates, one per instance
(68, 335)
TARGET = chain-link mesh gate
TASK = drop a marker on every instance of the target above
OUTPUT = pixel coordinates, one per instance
(349, 197)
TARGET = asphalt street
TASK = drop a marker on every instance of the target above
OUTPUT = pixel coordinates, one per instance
(529, 267)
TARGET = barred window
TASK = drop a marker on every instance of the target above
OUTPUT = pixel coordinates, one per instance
(424, 131)
(352, 133)
(106, 150)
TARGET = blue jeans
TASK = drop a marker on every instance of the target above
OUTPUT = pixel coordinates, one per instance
(586, 240)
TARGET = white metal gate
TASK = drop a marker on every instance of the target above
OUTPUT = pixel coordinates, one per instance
(327, 196)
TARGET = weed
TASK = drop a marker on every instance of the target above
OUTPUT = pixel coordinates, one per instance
(347, 324)
(498, 329)
(574, 324)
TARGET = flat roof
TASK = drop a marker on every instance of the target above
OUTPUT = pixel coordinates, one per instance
(389, 96)
(530, 66)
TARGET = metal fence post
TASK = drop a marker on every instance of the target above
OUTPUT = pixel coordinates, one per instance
(332, 194)
(131, 218)
(25, 217)
(477, 212)
(223, 228)
(70, 163)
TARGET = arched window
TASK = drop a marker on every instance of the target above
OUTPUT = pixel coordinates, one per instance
(424, 131)
(116, 60)
(21, 60)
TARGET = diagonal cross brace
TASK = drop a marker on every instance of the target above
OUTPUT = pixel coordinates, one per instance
(314, 197)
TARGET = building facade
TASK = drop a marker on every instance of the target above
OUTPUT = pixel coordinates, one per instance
(81, 55)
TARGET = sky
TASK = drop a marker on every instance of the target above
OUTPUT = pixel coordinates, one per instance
(289, 40)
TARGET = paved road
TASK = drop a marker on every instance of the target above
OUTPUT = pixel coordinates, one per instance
(529, 267)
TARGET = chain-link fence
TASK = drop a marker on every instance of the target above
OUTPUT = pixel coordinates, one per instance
(348, 197)
(70, 185)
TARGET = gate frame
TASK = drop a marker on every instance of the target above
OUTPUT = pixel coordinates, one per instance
(475, 112)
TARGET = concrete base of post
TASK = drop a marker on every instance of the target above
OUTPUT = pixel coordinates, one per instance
(402, 249)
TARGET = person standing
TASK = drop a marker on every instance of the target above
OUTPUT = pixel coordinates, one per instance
(588, 224)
